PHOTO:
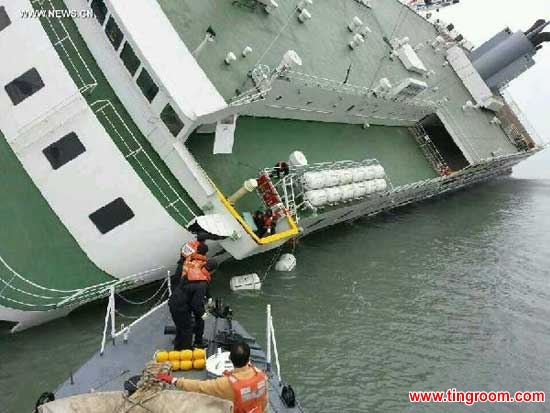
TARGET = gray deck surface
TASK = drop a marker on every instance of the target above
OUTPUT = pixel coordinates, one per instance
(122, 361)
(322, 44)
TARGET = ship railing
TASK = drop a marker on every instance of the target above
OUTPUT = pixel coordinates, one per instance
(101, 290)
(110, 328)
(522, 119)
(251, 96)
(86, 81)
(132, 148)
(271, 343)
(296, 192)
(430, 150)
(339, 87)
(38, 297)
(278, 237)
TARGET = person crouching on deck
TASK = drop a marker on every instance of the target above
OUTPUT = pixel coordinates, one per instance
(245, 386)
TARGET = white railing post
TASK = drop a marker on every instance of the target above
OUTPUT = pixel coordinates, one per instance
(272, 329)
(268, 338)
(169, 281)
(112, 304)
(105, 326)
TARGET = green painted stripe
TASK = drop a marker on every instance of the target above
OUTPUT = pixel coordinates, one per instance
(79, 62)
(34, 242)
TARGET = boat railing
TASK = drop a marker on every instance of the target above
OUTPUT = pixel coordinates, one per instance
(518, 118)
(110, 328)
(86, 81)
(293, 190)
(132, 148)
(250, 96)
(430, 150)
(271, 343)
(25, 293)
(339, 87)
(101, 290)
(278, 237)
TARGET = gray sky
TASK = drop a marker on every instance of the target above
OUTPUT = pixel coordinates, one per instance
(478, 20)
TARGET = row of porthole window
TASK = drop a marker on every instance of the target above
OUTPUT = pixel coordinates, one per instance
(65, 149)
(132, 63)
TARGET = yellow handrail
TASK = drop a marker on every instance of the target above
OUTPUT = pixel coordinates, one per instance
(262, 241)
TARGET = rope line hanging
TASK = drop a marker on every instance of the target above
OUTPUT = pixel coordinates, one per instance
(127, 300)
(283, 27)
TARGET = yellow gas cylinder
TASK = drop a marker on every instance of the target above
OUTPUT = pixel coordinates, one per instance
(176, 365)
(199, 353)
(161, 356)
(186, 355)
(199, 364)
(186, 365)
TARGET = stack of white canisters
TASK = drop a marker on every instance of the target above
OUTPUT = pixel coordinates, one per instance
(337, 186)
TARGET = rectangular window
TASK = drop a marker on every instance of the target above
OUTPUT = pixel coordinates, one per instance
(113, 33)
(100, 10)
(24, 86)
(129, 58)
(4, 18)
(111, 215)
(147, 86)
(171, 120)
(64, 150)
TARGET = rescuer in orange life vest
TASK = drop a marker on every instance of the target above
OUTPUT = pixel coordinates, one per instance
(245, 386)
(187, 300)
(187, 249)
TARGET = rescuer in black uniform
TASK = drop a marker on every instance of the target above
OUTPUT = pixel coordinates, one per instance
(188, 299)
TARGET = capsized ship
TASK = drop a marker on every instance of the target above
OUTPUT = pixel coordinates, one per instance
(126, 126)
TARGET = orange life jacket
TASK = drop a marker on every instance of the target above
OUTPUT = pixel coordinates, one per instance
(192, 264)
(198, 274)
(249, 395)
(189, 248)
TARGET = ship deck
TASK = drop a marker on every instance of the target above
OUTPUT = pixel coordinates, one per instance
(322, 44)
(260, 143)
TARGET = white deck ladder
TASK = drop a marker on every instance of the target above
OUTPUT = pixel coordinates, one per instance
(288, 190)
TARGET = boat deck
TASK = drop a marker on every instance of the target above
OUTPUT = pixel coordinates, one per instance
(322, 44)
(260, 143)
(119, 362)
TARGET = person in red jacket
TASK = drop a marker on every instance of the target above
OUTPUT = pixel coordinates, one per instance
(246, 386)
